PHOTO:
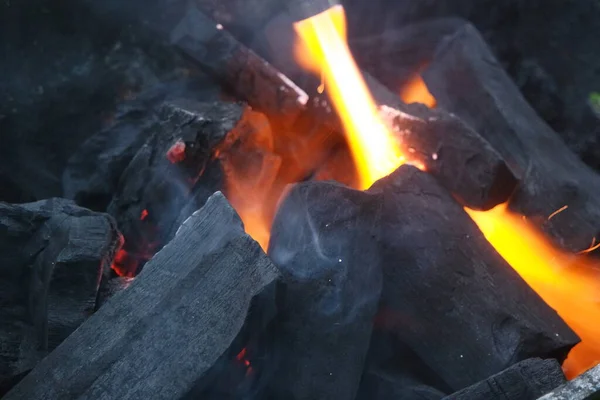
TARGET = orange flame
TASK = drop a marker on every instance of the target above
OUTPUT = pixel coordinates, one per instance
(323, 49)
(568, 283)
(416, 91)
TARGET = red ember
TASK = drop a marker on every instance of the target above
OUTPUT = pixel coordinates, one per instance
(176, 153)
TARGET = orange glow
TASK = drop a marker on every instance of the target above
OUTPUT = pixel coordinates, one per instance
(416, 91)
(568, 283)
(323, 50)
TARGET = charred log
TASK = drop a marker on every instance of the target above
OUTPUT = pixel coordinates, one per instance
(249, 76)
(466, 79)
(448, 295)
(170, 326)
(169, 170)
(323, 242)
(527, 380)
(52, 256)
(457, 156)
(585, 387)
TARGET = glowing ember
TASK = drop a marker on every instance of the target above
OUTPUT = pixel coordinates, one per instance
(415, 91)
(176, 153)
(567, 282)
(123, 264)
(323, 49)
(144, 215)
(242, 358)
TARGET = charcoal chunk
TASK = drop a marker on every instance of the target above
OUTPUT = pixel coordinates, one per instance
(527, 380)
(170, 167)
(52, 256)
(466, 78)
(160, 337)
(584, 387)
(448, 295)
(323, 243)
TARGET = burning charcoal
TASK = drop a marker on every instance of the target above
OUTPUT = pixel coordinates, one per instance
(323, 242)
(584, 387)
(527, 380)
(159, 338)
(467, 80)
(158, 182)
(52, 255)
(462, 161)
(93, 172)
(448, 295)
(394, 56)
(248, 76)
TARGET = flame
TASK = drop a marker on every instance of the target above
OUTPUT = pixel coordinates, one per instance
(416, 91)
(568, 283)
(323, 49)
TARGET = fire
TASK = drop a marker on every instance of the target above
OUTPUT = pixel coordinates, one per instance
(415, 91)
(323, 49)
(567, 282)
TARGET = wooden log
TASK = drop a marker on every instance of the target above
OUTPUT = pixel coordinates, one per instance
(52, 255)
(448, 295)
(585, 387)
(161, 178)
(466, 79)
(526, 380)
(160, 337)
(456, 155)
(322, 241)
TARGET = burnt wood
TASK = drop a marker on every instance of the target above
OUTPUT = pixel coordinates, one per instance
(52, 255)
(585, 387)
(466, 78)
(160, 337)
(169, 168)
(448, 295)
(455, 154)
(322, 240)
(237, 67)
(527, 380)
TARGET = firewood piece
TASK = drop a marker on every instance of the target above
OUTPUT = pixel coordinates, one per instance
(457, 156)
(526, 380)
(585, 387)
(467, 80)
(159, 337)
(158, 182)
(322, 241)
(396, 55)
(52, 254)
(448, 295)
(249, 76)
